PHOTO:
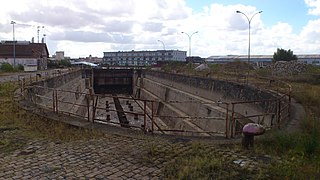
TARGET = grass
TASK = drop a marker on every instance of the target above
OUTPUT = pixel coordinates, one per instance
(299, 152)
(18, 127)
(202, 162)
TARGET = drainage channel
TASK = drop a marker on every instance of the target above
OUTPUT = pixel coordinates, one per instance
(121, 115)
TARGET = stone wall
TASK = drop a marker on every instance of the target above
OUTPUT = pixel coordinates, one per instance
(288, 67)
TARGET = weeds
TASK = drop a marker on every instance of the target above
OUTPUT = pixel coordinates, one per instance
(17, 126)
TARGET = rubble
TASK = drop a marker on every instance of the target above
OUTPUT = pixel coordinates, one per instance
(288, 67)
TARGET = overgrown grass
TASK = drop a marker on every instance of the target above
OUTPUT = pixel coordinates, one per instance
(201, 162)
(299, 151)
(18, 127)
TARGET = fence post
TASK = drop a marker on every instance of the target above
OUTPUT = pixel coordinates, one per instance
(144, 115)
(232, 121)
(56, 98)
(227, 119)
(289, 105)
(53, 101)
(279, 113)
(152, 120)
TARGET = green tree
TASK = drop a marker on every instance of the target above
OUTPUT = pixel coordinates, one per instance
(283, 55)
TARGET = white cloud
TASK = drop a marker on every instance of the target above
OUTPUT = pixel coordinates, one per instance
(83, 27)
(314, 6)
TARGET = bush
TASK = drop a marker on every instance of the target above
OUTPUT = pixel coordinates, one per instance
(20, 67)
(6, 67)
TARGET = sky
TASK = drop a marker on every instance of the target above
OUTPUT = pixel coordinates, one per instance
(90, 27)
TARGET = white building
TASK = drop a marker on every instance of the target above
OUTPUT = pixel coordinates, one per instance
(142, 58)
(262, 60)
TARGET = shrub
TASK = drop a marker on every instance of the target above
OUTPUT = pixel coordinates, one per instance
(6, 67)
(20, 67)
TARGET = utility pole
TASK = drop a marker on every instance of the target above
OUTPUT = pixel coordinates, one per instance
(14, 44)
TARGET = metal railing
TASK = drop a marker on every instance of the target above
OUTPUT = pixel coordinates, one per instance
(86, 106)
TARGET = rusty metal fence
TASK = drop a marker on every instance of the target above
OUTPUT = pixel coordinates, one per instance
(88, 107)
(145, 114)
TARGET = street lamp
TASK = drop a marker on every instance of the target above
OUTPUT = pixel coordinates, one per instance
(38, 30)
(164, 47)
(14, 44)
(249, 22)
(189, 36)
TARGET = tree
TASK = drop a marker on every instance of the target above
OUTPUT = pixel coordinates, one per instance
(283, 55)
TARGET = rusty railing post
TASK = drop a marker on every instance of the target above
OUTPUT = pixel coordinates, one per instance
(144, 115)
(56, 99)
(53, 102)
(289, 105)
(227, 119)
(152, 120)
(232, 121)
(88, 106)
(279, 113)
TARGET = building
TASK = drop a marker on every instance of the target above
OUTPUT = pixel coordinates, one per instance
(313, 59)
(33, 56)
(142, 58)
(59, 55)
(258, 60)
(261, 60)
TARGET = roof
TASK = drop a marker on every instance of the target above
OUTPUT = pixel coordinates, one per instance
(23, 49)
(84, 63)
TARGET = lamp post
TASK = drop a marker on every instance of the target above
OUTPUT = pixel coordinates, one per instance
(249, 23)
(164, 47)
(14, 44)
(189, 36)
(38, 31)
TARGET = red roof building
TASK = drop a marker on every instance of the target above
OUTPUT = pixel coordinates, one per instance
(24, 53)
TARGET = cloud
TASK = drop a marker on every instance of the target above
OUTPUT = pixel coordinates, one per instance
(311, 32)
(85, 36)
(314, 6)
(83, 27)
(153, 27)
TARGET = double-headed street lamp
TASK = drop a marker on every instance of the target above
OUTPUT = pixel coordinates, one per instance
(189, 36)
(164, 47)
(249, 22)
(14, 44)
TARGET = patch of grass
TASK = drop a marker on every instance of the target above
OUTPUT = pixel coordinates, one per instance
(201, 161)
(309, 96)
(300, 151)
(282, 142)
(17, 126)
